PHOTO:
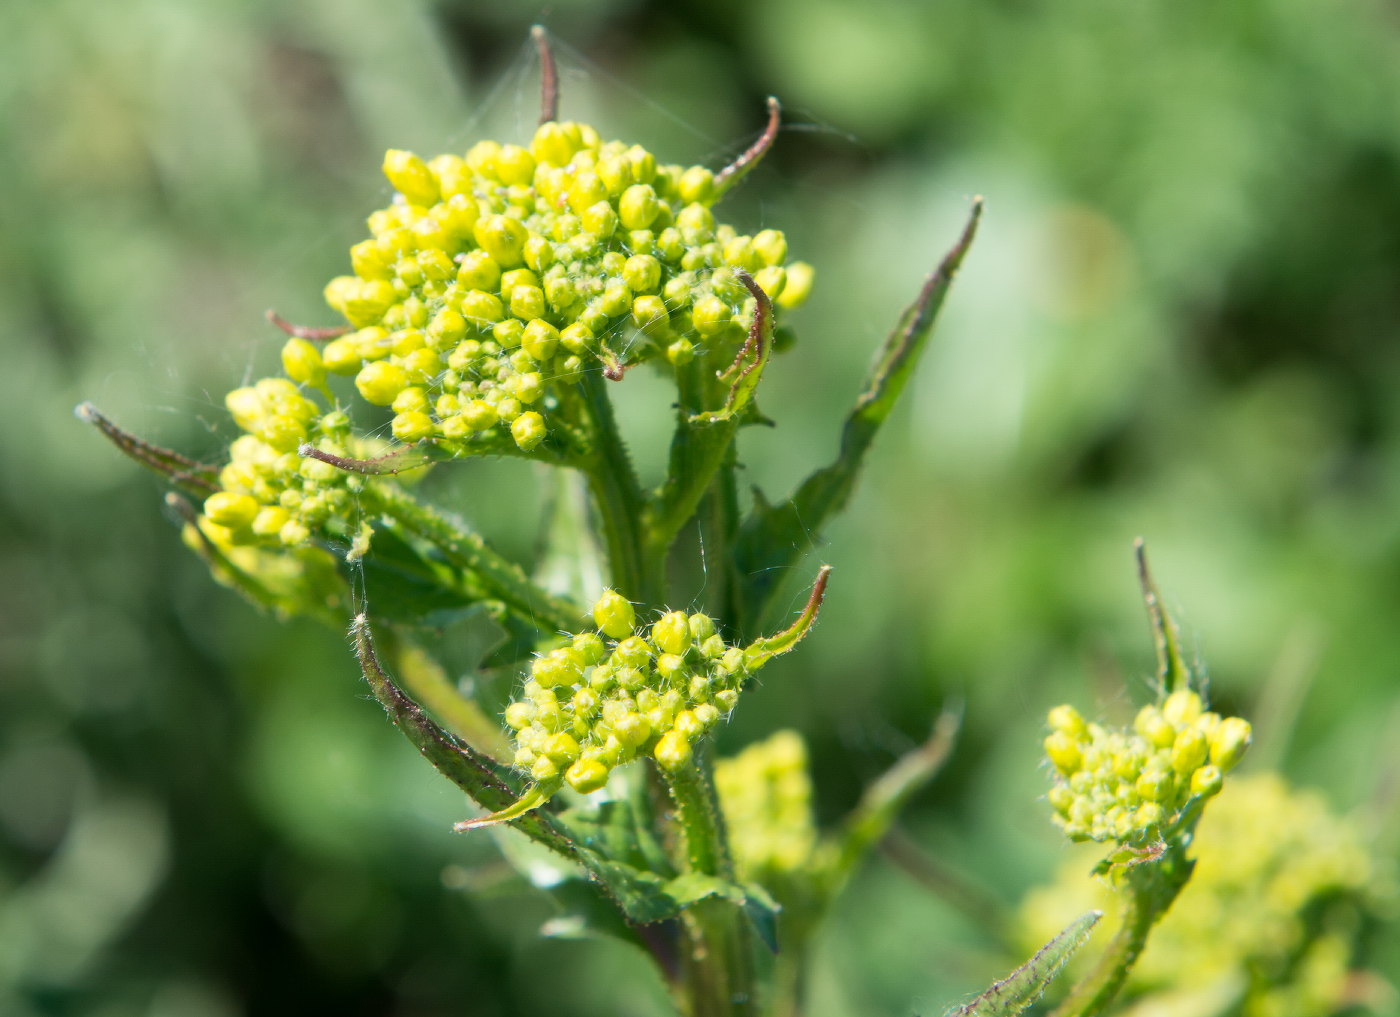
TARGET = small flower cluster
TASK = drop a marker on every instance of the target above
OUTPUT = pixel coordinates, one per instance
(270, 494)
(1279, 880)
(492, 277)
(586, 709)
(765, 794)
(1126, 787)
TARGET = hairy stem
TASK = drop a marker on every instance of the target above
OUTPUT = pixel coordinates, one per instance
(619, 498)
(1150, 891)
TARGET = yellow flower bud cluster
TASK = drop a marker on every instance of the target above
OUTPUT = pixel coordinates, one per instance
(270, 494)
(765, 794)
(494, 276)
(590, 706)
(1129, 786)
(1278, 883)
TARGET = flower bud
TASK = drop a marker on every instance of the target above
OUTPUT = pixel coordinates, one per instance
(422, 366)
(1067, 719)
(1155, 786)
(726, 699)
(1182, 707)
(578, 338)
(586, 775)
(528, 430)
(514, 165)
(697, 184)
(557, 668)
(798, 287)
(1188, 751)
(479, 415)
(503, 238)
(544, 768)
(342, 356)
(671, 633)
(561, 748)
(642, 273)
(519, 715)
(613, 615)
(1148, 815)
(452, 175)
(413, 426)
(303, 364)
(447, 328)
(599, 219)
(673, 753)
(294, 533)
(638, 207)
(771, 246)
(411, 178)
(1231, 740)
(650, 315)
(631, 729)
(235, 511)
(1207, 781)
(479, 271)
(711, 316)
(1061, 798)
(1153, 726)
(1063, 752)
(540, 339)
(632, 651)
(482, 309)
(270, 520)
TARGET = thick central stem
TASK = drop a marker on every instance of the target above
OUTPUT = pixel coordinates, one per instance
(619, 499)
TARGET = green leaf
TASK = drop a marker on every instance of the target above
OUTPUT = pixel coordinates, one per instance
(1024, 986)
(881, 804)
(1172, 672)
(775, 536)
(758, 907)
(760, 651)
(194, 478)
(403, 586)
(481, 778)
(497, 577)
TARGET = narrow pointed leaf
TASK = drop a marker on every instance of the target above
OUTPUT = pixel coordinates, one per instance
(775, 536)
(882, 802)
(760, 651)
(195, 478)
(1024, 986)
(473, 772)
(1172, 672)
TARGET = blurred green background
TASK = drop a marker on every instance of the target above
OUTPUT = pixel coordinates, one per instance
(1181, 320)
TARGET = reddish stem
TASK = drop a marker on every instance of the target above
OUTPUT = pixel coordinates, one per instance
(736, 170)
(305, 331)
(549, 76)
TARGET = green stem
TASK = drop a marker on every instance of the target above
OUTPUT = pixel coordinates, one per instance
(698, 817)
(1151, 889)
(467, 550)
(719, 948)
(619, 497)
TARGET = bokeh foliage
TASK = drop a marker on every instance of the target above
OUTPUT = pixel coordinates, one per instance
(1180, 321)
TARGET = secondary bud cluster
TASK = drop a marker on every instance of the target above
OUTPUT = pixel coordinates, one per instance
(1130, 785)
(495, 276)
(270, 494)
(765, 794)
(1279, 883)
(593, 705)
